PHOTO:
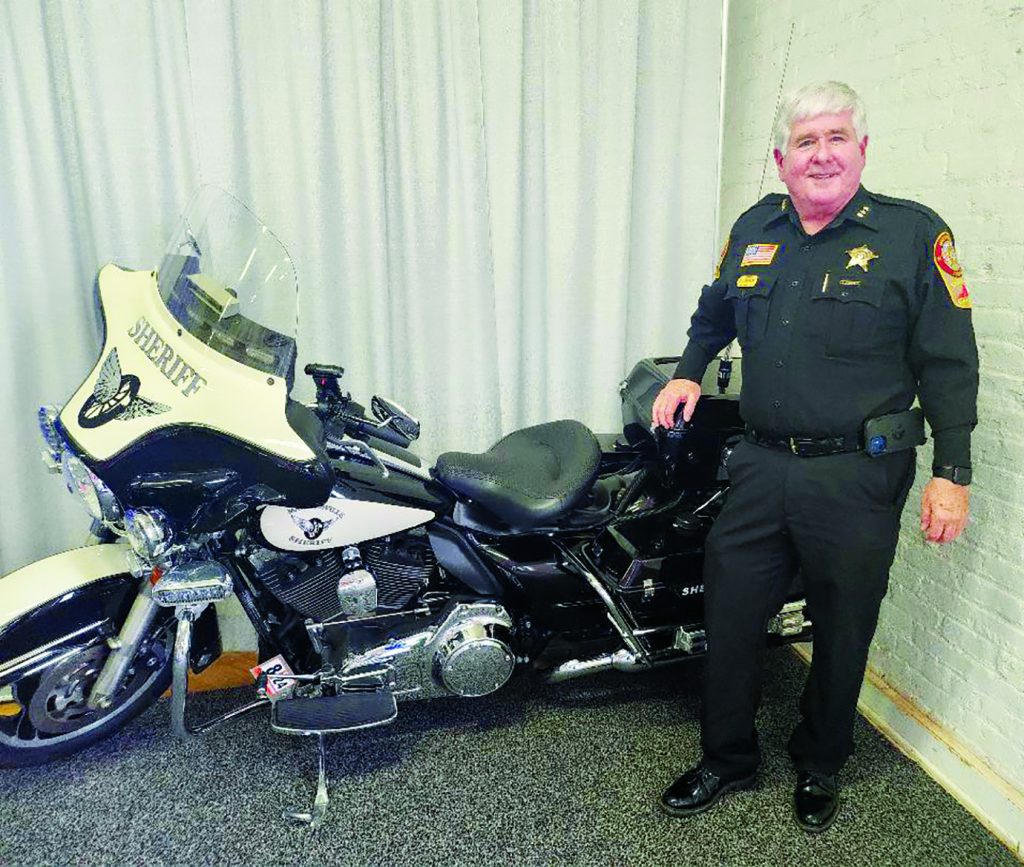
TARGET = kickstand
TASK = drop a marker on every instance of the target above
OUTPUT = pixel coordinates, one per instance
(315, 819)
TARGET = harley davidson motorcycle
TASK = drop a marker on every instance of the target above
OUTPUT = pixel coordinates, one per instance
(369, 578)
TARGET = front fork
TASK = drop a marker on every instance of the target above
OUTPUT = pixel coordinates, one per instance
(124, 647)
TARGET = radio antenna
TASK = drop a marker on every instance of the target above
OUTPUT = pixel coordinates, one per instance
(778, 105)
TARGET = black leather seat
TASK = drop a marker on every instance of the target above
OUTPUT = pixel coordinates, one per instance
(529, 478)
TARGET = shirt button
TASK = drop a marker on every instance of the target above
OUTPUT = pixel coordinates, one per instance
(785, 322)
(806, 247)
(795, 283)
(778, 363)
(776, 403)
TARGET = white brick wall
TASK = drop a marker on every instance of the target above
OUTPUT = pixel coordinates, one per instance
(944, 87)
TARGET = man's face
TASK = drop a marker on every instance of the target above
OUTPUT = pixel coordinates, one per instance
(823, 163)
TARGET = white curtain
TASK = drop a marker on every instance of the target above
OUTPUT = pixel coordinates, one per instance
(494, 207)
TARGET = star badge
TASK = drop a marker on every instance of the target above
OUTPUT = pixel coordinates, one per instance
(860, 256)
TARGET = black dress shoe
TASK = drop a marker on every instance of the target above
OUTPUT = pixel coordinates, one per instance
(698, 789)
(815, 800)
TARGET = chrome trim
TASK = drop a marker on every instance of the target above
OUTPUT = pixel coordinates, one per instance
(400, 466)
(179, 682)
(690, 640)
(315, 817)
(350, 448)
(123, 651)
(205, 581)
(620, 660)
(40, 657)
(790, 620)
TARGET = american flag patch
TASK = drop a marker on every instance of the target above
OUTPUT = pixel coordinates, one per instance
(759, 254)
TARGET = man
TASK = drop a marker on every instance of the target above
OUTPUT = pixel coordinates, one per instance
(846, 304)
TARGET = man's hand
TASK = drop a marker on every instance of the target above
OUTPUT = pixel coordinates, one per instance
(675, 392)
(944, 510)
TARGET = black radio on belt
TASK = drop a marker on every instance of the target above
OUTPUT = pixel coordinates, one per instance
(894, 432)
(883, 435)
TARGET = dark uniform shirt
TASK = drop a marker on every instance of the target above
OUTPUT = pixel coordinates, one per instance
(843, 325)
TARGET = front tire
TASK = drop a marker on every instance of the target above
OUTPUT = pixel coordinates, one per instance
(48, 717)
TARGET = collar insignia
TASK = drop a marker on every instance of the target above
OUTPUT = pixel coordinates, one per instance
(863, 211)
(860, 256)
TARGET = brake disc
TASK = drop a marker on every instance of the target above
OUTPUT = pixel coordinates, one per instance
(58, 702)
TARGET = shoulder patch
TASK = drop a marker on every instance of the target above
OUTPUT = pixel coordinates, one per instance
(721, 257)
(948, 266)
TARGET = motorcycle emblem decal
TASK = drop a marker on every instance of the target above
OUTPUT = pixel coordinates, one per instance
(861, 257)
(312, 528)
(166, 360)
(116, 396)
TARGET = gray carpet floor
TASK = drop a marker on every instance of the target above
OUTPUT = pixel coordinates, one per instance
(531, 775)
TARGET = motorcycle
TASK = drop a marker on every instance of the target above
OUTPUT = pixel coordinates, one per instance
(369, 578)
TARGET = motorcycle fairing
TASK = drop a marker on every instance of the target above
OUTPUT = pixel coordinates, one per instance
(338, 522)
(153, 374)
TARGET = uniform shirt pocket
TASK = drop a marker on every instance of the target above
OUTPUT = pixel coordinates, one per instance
(850, 312)
(751, 305)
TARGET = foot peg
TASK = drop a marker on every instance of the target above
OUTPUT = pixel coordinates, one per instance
(333, 714)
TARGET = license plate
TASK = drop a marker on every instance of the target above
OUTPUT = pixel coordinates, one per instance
(276, 670)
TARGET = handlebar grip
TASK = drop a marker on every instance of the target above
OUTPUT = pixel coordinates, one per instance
(385, 433)
(368, 428)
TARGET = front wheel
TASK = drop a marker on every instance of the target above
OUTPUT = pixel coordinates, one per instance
(46, 716)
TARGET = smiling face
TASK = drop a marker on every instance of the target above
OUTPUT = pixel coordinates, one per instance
(822, 164)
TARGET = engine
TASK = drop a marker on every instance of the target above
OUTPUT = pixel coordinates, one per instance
(465, 651)
(392, 572)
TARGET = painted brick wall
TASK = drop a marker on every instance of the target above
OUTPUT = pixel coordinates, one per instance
(944, 87)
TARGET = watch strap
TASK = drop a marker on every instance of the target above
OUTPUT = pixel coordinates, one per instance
(957, 475)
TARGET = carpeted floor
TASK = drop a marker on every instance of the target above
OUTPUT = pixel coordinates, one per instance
(532, 775)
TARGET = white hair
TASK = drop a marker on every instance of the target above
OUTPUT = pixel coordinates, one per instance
(813, 100)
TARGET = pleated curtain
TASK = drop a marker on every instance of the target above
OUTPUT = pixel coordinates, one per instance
(495, 207)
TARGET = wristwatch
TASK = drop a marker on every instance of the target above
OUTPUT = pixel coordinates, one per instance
(957, 475)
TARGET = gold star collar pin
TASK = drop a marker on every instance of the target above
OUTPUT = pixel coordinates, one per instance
(860, 256)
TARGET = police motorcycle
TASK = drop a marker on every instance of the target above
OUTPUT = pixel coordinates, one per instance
(369, 578)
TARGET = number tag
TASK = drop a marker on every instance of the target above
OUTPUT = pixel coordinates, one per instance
(276, 669)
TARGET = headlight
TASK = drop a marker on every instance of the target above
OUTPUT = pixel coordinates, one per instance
(148, 533)
(98, 498)
(54, 443)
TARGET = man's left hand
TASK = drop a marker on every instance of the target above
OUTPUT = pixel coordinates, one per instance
(944, 510)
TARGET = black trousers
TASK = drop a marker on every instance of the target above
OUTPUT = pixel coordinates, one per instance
(836, 518)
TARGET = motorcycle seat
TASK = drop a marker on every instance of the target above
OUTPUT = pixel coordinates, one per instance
(529, 478)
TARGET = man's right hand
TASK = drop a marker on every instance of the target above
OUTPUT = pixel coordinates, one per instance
(676, 392)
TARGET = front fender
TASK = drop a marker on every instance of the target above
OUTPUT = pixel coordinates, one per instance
(28, 588)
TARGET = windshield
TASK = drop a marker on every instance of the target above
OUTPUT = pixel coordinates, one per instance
(230, 283)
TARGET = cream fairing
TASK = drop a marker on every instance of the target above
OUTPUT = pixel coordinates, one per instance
(182, 381)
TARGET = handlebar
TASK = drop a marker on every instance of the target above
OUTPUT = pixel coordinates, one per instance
(346, 423)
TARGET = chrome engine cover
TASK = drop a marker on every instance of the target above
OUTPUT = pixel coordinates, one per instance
(466, 652)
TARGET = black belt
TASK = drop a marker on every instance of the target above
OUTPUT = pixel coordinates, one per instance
(807, 447)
